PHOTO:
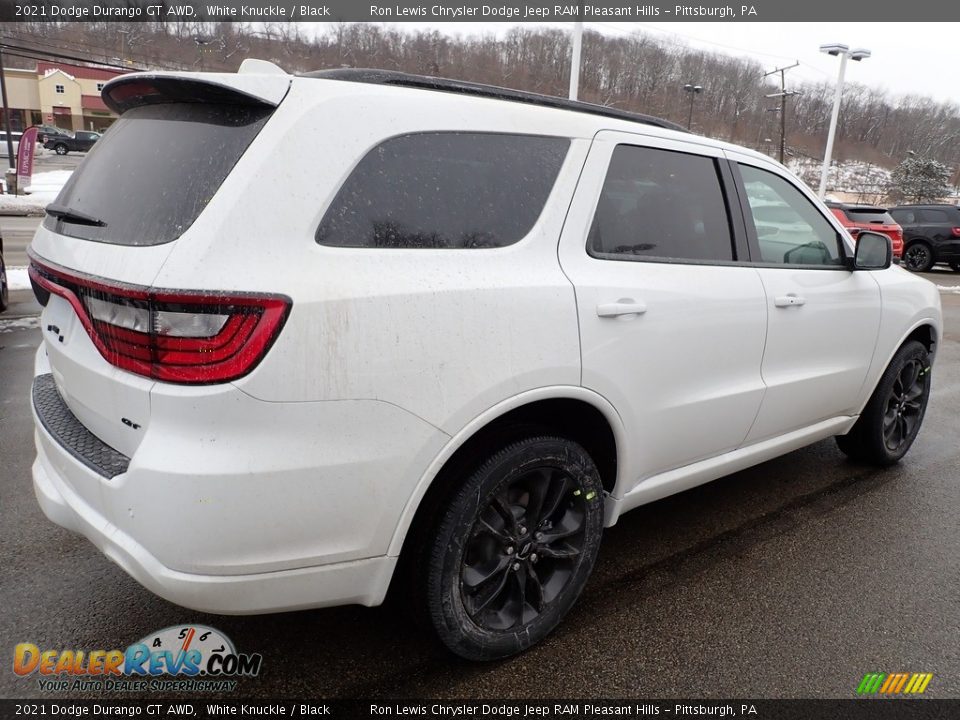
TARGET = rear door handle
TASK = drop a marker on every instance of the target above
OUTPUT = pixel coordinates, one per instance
(625, 306)
(789, 300)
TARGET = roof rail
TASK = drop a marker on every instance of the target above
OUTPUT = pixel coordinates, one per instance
(400, 79)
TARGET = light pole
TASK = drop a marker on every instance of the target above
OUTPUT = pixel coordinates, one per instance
(575, 60)
(694, 90)
(844, 52)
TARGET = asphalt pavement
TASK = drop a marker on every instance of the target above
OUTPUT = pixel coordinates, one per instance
(791, 579)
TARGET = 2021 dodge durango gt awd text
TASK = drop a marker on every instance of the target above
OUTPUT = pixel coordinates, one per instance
(450, 341)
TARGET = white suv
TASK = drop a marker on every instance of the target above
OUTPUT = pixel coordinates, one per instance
(305, 334)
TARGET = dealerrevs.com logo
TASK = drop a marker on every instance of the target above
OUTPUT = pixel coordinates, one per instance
(181, 657)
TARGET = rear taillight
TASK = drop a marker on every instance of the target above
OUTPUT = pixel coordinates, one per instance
(955, 231)
(181, 337)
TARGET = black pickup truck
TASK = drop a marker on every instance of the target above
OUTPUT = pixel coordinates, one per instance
(82, 141)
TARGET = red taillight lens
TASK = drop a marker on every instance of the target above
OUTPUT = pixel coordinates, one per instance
(180, 337)
(955, 231)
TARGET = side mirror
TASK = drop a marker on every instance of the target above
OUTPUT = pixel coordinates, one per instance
(874, 251)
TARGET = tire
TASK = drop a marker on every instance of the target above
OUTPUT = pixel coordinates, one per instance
(4, 288)
(512, 549)
(892, 418)
(918, 257)
(955, 266)
(60, 149)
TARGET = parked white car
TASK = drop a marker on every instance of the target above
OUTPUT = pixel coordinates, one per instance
(450, 340)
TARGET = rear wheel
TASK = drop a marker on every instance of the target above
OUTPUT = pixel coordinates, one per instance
(891, 420)
(955, 266)
(918, 257)
(513, 548)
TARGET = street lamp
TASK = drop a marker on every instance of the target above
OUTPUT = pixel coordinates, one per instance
(694, 90)
(844, 52)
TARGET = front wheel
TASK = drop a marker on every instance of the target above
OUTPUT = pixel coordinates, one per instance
(918, 257)
(60, 149)
(955, 266)
(513, 548)
(891, 420)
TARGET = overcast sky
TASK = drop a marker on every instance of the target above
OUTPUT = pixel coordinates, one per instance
(907, 57)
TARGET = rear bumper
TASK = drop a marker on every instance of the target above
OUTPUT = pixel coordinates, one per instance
(234, 505)
(362, 582)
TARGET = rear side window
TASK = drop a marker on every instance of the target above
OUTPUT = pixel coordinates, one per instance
(934, 216)
(444, 190)
(660, 204)
(154, 171)
(877, 216)
(905, 217)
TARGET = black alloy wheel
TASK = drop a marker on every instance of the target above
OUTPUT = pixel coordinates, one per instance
(905, 405)
(892, 417)
(918, 257)
(512, 548)
(523, 549)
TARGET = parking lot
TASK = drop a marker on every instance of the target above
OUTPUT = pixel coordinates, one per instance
(790, 579)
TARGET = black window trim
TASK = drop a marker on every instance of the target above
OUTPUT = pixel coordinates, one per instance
(381, 141)
(754, 242)
(735, 223)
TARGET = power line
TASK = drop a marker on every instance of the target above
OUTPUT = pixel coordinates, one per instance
(35, 54)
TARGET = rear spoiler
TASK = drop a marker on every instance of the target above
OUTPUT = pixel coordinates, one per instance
(150, 88)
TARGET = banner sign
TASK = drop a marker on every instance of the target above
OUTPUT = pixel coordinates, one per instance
(28, 143)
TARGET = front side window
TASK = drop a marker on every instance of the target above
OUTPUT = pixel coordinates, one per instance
(444, 190)
(663, 205)
(790, 229)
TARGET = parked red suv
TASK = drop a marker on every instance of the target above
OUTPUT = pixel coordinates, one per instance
(869, 217)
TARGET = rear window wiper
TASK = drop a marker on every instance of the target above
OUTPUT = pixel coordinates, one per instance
(62, 212)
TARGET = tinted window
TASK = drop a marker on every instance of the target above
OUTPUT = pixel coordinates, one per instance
(934, 216)
(904, 217)
(444, 190)
(154, 171)
(790, 229)
(876, 216)
(660, 204)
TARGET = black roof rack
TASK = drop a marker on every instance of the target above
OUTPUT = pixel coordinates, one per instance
(400, 79)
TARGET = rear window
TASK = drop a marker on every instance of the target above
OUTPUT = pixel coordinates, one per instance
(444, 190)
(154, 171)
(868, 215)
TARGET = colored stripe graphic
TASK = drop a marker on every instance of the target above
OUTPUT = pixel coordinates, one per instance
(870, 683)
(894, 683)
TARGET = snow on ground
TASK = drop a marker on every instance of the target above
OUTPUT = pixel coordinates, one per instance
(41, 192)
(27, 323)
(17, 278)
(952, 289)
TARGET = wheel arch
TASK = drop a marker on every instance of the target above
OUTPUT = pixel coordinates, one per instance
(573, 412)
(925, 330)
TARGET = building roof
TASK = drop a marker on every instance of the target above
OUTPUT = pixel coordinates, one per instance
(78, 71)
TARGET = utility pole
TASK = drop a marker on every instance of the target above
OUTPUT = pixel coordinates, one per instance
(783, 95)
(6, 113)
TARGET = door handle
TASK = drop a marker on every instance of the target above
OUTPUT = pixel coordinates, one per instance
(789, 300)
(624, 306)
